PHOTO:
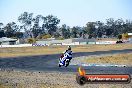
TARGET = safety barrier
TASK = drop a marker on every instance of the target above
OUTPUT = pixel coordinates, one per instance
(39, 44)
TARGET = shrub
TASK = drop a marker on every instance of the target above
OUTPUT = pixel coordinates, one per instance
(46, 36)
(60, 38)
(31, 40)
(119, 37)
(125, 36)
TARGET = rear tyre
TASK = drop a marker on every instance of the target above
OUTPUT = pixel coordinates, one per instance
(59, 65)
(66, 63)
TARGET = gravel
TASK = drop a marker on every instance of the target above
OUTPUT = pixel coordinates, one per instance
(39, 79)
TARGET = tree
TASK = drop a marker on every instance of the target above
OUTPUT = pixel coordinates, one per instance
(80, 31)
(127, 27)
(1, 26)
(119, 26)
(109, 27)
(90, 29)
(19, 35)
(2, 34)
(36, 29)
(99, 29)
(10, 29)
(114, 27)
(56, 35)
(74, 32)
(65, 31)
(50, 24)
(119, 37)
(39, 25)
(26, 19)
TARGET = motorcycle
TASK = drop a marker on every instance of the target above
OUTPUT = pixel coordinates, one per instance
(65, 62)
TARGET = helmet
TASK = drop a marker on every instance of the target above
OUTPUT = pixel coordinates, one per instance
(69, 47)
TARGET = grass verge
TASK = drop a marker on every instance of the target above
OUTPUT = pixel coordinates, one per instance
(29, 51)
(111, 59)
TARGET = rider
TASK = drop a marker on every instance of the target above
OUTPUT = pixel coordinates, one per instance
(67, 54)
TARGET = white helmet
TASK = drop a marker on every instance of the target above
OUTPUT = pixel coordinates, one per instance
(69, 47)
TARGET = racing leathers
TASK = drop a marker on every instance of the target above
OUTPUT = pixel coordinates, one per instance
(67, 55)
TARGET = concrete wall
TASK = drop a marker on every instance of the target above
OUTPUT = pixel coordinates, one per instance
(106, 42)
(83, 40)
(48, 42)
(44, 42)
(75, 41)
(20, 45)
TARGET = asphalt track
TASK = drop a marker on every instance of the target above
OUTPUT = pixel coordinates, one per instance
(50, 63)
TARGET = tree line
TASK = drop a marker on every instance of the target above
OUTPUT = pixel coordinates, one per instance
(42, 27)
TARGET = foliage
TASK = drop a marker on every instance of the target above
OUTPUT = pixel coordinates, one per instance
(75, 32)
(18, 34)
(60, 38)
(46, 36)
(31, 40)
(10, 29)
(36, 29)
(56, 35)
(119, 37)
(125, 36)
(26, 20)
(43, 27)
(50, 23)
(1, 24)
(2, 34)
(90, 29)
(65, 31)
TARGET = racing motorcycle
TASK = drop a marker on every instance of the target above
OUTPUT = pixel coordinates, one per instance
(65, 62)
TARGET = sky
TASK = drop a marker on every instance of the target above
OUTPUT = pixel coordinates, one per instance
(70, 12)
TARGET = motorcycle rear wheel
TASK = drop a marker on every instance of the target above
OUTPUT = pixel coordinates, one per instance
(66, 63)
(59, 65)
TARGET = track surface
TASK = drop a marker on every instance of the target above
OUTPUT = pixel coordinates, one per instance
(50, 63)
